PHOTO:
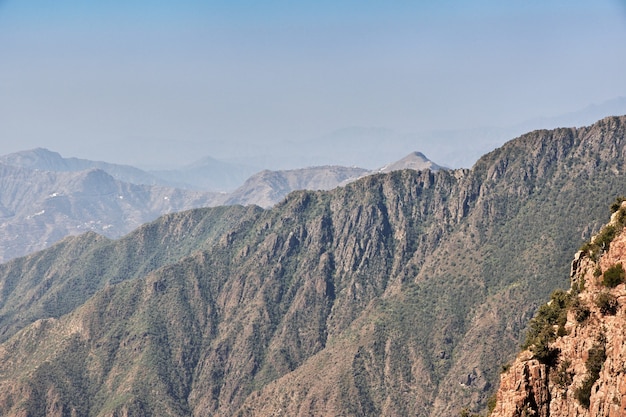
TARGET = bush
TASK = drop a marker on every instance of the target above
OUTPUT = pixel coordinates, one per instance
(562, 376)
(467, 413)
(613, 276)
(617, 203)
(605, 237)
(583, 393)
(581, 311)
(541, 331)
(595, 360)
(542, 351)
(607, 303)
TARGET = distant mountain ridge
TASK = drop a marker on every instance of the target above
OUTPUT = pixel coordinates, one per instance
(269, 187)
(398, 294)
(207, 174)
(46, 160)
(38, 208)
(45, 197)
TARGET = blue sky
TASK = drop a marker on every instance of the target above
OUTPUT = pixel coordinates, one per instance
(85, 77)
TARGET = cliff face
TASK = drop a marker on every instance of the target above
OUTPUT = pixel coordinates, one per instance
(582, 373)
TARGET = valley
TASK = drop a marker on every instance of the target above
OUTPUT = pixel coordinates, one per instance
(398, 293)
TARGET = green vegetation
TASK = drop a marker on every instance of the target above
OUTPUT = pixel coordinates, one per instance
(562, 376)
(617, 204)
(467, 413)
(595, 360)
(607, 234)
(491, 404)
(581, 311)
(359, 294)
(613, 276)
(66, 275)
(542, 327)
(607, 303)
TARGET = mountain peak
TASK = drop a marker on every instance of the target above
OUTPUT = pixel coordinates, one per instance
(37, 158)
(415, 160)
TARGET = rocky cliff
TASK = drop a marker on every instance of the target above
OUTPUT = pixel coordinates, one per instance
(575, 364)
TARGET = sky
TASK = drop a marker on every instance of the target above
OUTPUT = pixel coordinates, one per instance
(156, 83)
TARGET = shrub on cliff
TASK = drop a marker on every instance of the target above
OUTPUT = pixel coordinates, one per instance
(541, 331)
(613, 276)
(581, 311)
(595, 360)
(607, 303)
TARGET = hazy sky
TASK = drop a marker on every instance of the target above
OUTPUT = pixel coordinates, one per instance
(105, 79)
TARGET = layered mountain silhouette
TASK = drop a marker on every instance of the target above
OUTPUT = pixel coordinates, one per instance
(38, 208)
(397, 294)
(45, 197)
(45, 160)
(267, 188)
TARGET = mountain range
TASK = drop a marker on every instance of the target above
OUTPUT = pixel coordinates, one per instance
(38, 208)
(46, 197)
(399, 293)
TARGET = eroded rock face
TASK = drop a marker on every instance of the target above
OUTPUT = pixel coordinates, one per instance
(557, 388)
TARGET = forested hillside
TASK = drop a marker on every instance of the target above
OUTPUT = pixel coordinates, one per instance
(399, 294)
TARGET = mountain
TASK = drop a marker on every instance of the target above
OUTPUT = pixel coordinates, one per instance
(267, 188)
(414, 160)
(398, 294)
(574, 364)
(45, 160)
(61, 278)
(44, 196)
(208, 174)
(38, 208)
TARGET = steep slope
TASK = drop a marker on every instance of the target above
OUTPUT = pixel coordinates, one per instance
(54, 282)
(46, 197)
(267, 188)
(577, 349)
(399, 294)
(38, 208)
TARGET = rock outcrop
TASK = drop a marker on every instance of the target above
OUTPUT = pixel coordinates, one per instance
(583, 371)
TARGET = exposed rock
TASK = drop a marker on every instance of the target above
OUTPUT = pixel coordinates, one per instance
(531, 388)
